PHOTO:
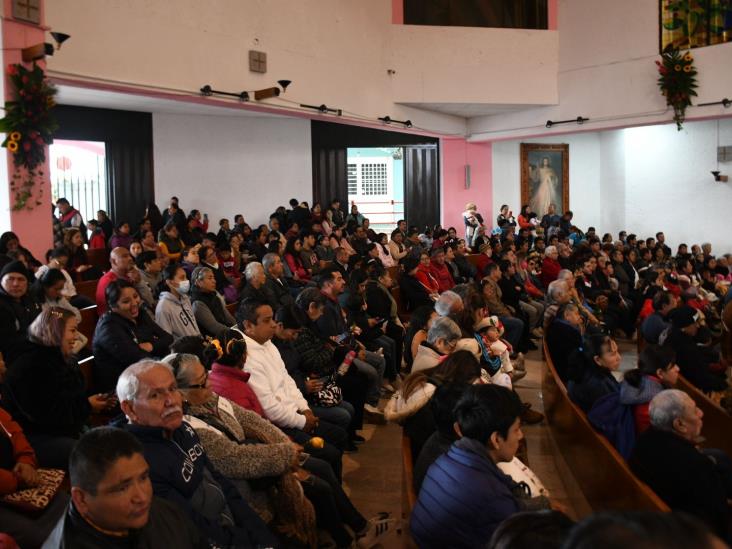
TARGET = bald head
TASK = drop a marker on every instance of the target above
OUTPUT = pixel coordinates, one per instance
(120, 261)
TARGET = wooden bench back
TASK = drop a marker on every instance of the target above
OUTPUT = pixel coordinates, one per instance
(717, 429)
(88, 323)
(87, 366)
(605, 479)
(409, 496)
(87, 288)
(99, 257)
(473, 259)
(232, 308)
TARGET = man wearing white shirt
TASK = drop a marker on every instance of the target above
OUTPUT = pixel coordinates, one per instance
(277, 392)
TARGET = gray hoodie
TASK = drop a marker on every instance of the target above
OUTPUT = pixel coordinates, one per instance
(175, 315)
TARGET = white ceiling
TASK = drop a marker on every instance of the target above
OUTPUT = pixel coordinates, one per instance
(470, 110)
(88, 97)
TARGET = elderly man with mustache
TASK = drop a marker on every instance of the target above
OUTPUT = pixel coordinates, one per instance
(180, 470)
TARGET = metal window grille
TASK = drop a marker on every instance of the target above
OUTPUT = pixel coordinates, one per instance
(85, 189)
(352, 179)
(373, 179)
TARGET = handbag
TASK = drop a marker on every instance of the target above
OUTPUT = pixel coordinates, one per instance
(330, 395)
(36, 498)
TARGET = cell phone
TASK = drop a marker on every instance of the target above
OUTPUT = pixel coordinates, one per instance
(341, 338)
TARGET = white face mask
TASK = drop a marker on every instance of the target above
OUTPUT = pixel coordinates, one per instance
(215, 265)
(184, 286)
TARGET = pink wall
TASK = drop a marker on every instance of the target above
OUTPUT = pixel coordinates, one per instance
(456, 153)
(33, 227)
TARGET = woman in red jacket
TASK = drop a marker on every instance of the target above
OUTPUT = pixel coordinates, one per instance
(550, 267)
(292, 258)
(424, 275)
(523, 219)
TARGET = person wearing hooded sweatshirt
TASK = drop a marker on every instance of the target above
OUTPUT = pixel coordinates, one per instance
(18, 308)
(174, 312)
(657, 370)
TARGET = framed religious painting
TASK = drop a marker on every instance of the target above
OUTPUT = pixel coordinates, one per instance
(545, 177)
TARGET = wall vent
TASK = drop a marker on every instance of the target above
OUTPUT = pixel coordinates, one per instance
(724, 154)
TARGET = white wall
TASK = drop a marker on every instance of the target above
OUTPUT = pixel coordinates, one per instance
(642, 180)
(607, 73)
(669, 187)
(224, 166)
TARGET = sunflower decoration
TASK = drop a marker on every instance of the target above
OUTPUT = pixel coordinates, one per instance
(29, 125)
(677, 81)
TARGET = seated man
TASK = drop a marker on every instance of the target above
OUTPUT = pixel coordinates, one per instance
(464, 495)
(440, 270)
(149, 268)
(278, 292)
(657, 322)
(493, 296)
(277, 392)
(112, 502)
(564, 338)
(180, 470)
(667, 459)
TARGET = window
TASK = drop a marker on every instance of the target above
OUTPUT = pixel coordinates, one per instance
(695, 23)
(373, 179)
(78, 174)
(352, 179)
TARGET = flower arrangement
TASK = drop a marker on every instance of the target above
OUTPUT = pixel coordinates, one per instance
(29, 124)
(677, 81)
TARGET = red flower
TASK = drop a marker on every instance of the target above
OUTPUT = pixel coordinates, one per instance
(12, 70)
(24, 79)
(26, 146)
(39, 141)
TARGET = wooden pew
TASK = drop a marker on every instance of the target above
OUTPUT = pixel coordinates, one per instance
(473, 259)
(87, 366)
(88, 323)
(409, 496)
(99, 257)
(232, 308)
(717, 429)
(87, 288)
(605, 479)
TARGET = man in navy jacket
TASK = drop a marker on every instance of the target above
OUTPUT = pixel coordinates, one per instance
(179, 468)
(465, 496)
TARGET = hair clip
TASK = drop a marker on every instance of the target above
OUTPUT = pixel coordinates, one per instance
(217, 345)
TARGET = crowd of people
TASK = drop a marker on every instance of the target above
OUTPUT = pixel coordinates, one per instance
(282, 340)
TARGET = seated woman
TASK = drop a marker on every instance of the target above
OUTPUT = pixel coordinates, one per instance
(10, 242)
(78, 265)
(121, 237)
(174, 311)
(44, 388)
(319, 360)
(414, 293)
(425, 276)
(657, 370)
(292, 258)
(18, 471)
(244, 446)
(212, 317)
(58, 258)
(408, 405)
(227, 377)
(594, 375)
(48, 292)
(124, 335)
(419, 324)
(466, 482)
(170, 242)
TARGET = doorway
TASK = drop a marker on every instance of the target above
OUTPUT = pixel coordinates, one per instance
(376, 185)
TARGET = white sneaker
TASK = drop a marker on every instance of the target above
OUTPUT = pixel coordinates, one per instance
(377, 528)
(372, 409)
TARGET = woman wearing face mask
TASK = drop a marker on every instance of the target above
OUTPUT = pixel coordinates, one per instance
(174, 312)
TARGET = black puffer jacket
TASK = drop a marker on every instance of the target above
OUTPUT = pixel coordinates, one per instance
(15, 317)
(45, 393)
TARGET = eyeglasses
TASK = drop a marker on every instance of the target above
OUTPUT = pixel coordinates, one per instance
(201, 385)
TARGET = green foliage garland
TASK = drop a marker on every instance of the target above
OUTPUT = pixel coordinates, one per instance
(29, 125)
(677, 81)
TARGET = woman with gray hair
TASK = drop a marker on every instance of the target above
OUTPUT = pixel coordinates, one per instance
(208, 305)
(45, 391)
(442, 338)
(286, 487)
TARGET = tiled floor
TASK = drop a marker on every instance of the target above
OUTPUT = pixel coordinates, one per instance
(373, 475)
